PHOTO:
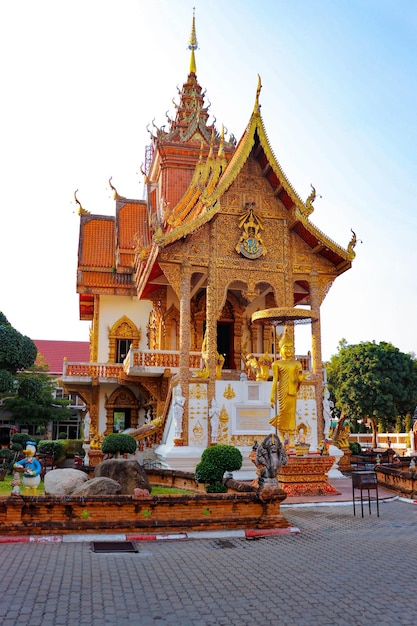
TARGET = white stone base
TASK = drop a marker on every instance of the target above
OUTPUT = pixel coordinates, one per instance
(334, 471)
(183, 458)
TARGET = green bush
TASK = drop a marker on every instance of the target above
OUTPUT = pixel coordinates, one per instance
(215, 461)
(117, 443)
(73, 447)
(56, 448)
(21, 438)
(9, 457)
(355, 447)
(216, 488)
(62, 435)
(5, 453)
(408, 422)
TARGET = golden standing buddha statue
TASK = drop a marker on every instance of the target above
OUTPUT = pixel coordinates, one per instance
(287, 376)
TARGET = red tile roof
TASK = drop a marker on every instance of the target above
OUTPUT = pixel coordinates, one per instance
(54, 353)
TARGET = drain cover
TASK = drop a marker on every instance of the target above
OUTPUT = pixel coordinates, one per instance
(224, 543)
(110, 547)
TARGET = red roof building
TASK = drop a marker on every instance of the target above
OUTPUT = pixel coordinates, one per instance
(54, 353)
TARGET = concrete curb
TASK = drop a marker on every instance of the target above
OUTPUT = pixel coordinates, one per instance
(345, 503)
(231, 534)
(407, 500)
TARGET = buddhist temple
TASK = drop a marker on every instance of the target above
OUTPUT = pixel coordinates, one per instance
(189, 290)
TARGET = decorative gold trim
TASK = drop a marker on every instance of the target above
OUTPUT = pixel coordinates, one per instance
(229, 393)
(284, 315)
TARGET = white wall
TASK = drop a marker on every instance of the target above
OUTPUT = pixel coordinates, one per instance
(112, 308)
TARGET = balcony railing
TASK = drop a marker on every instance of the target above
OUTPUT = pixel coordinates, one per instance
(92, 370)
(162, 358)
(137, 362)
(142, 363)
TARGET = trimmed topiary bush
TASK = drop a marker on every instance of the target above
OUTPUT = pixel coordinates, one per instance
(56, 448)
(117, 443)
(355, 447)
(216, 488)
(215, 461)
(5, 453)
(9, 457)
(21, 438)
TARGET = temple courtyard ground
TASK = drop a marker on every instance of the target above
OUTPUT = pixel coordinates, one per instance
(340, 569)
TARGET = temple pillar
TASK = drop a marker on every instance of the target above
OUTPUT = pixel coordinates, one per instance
(199, 320)
(185, 340)
(316, 354)
(211, 336)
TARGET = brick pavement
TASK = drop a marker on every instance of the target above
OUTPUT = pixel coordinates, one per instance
(340, 570)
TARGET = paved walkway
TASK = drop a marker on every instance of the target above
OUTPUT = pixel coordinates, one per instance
(339, 570)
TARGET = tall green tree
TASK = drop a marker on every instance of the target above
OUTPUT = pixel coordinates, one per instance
(372, 381)
(27, 388)
(17, 352)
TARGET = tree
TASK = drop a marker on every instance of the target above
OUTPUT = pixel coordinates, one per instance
(372, 381)
(17, 352)
(34, 402)
(28, 387)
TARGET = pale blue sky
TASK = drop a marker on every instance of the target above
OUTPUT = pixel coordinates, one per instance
(82, 79)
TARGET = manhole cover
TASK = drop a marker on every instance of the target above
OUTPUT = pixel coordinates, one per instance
(224, 543)
(110, 547)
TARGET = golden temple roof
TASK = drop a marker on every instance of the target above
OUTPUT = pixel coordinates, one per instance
(212, 179)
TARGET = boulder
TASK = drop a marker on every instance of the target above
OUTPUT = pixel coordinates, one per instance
(99, 486)
(127, 472)
(62, 482)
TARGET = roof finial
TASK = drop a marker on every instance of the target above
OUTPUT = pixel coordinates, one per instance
(81, 210)
(193, 45)
(257, 106)
(221, 143)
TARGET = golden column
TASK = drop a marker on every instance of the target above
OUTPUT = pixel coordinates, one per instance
(211, 332)
(317, 360)
(185, 340)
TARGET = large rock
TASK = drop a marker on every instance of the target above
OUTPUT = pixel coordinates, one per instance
(99, 486)
(62, 482)
(127, 472)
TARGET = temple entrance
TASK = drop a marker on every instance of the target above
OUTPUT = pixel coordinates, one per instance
(225, 344)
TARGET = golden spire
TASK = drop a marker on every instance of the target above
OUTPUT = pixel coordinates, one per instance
(193, 45)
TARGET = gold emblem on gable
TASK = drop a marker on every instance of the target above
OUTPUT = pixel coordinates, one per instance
(250, 244)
